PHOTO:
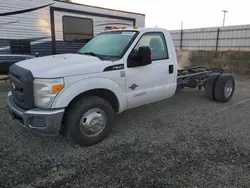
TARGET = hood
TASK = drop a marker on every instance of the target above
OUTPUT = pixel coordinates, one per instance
(64, 65)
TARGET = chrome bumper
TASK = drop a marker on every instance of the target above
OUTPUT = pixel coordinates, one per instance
(41, 121)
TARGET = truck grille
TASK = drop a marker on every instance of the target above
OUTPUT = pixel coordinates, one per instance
(22, 86)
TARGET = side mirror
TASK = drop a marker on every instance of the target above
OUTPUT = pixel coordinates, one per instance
(141, 57)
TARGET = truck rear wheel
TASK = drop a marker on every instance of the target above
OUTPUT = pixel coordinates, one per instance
(224, 88)
(89, 121)
(210, 85)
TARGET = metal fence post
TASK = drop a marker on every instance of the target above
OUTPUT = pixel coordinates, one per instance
(217, 39)
(181, 39)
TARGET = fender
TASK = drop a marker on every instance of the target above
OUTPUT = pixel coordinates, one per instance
(63, 99)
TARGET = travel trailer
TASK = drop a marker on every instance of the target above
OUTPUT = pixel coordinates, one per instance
(45, 27)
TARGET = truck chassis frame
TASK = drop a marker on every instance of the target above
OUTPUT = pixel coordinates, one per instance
(194, 77)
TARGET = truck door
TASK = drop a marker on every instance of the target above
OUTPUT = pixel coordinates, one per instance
(153, 82)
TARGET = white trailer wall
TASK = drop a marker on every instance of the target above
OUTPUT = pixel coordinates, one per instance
(25, 25)
(17, 27)
(140, 18)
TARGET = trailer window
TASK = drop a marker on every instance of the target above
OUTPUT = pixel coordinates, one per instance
(77, 29)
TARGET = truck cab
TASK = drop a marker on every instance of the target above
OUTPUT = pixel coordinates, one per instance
(79, 94)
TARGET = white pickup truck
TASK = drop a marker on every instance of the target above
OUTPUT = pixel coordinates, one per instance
(79, 94)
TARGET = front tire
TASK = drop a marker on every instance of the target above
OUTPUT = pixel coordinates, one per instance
(89, 121)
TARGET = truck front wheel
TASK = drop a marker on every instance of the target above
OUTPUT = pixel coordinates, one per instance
(89, 120)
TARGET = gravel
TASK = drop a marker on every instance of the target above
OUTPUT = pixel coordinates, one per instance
(185, 141)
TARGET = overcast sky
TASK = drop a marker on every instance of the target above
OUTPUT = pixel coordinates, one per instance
(193, 13)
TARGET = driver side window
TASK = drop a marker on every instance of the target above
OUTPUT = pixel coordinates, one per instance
(157, 44)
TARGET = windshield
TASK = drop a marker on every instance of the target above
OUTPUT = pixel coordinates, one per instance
(111, 44)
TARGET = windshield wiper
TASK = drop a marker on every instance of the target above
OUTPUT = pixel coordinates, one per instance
(93, 54)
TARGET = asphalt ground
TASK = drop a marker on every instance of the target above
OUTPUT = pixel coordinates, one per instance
(185, 141)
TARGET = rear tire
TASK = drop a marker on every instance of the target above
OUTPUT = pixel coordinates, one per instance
(210, 85)
(224, 88)
(89, 121)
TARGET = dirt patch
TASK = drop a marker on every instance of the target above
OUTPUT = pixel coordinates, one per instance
(5, 86)
(183, 59)
(57, 175)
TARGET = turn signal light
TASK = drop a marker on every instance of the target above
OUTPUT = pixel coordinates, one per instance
(56, 88)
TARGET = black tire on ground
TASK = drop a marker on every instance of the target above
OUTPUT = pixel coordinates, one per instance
(77, 111)
(210, 85)
(224, 88)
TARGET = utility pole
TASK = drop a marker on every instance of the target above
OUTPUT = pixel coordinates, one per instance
(224, 17)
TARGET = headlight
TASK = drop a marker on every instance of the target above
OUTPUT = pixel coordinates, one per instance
(45, 91)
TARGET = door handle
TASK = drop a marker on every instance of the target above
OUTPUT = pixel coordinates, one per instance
(171, 69)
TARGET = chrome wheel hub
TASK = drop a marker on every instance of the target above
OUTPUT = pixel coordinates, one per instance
(228, 88)
(93, 122)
